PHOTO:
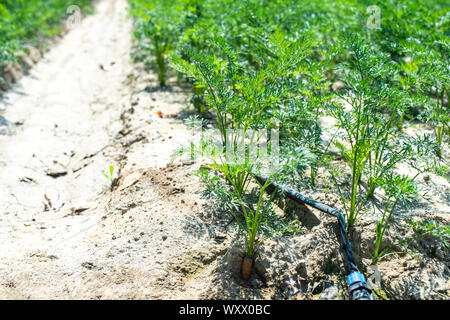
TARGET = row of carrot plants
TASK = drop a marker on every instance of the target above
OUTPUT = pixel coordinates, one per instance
(264, 65)
(25, 22)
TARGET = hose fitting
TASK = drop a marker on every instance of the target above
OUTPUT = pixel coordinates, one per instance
(358, 288)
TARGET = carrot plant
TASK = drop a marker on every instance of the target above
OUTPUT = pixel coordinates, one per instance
(420, 153)
(398, 189)
(427, 227)
(365, 113)
(239, 169)
(316, 98)
(110, 176)
(241, 102)
(358, 114)
(158, 25)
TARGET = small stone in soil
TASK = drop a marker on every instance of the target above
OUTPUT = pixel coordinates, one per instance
(55, 173)
(88, 265)
(219, 236)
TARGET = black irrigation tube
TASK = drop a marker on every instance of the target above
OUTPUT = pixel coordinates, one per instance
(357, 286)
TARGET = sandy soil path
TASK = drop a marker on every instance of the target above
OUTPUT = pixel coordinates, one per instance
(60, 120)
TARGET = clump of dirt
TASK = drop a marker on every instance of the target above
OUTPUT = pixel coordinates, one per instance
(13, 71)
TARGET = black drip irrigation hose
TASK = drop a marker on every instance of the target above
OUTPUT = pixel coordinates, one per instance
(357, 285)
